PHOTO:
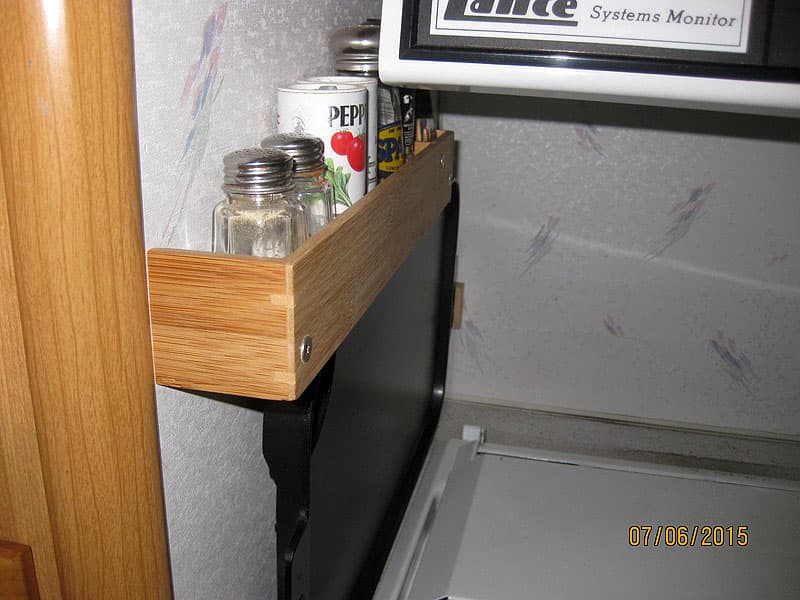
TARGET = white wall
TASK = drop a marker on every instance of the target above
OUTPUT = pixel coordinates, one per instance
(629, 261)
(206, 71)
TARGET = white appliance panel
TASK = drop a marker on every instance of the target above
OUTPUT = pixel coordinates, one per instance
(730, 55)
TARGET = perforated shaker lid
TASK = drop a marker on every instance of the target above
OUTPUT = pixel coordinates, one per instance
(308, 151)
(257, 171)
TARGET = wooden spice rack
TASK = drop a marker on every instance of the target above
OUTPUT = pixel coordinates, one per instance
(236, 324)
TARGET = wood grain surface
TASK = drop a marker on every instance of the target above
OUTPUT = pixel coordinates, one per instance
(17, 572)
(235, 324)
(24, 516)
(70, 166)
(458, 304)
(336, 276)
(220, 323)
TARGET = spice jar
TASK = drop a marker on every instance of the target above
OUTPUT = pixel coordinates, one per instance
(261, 215)
(313, 191)
(356, 51)
(371, 85)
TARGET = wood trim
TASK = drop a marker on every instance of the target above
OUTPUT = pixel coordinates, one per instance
(17, 572)
(420, 146)
(335, 278)
(458, 304)
(69, 156)
(217, 321)
(24, 515)
(235, 324)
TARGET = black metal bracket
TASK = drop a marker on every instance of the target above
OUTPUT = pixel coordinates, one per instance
(291, 430)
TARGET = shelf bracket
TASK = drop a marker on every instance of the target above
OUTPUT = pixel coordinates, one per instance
(291, 430)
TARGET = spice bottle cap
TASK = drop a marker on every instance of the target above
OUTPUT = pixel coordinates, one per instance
(308, 151)
(356, 48)
(257, 171)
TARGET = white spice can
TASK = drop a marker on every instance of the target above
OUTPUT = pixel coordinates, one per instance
(337, 114)
(371, 84)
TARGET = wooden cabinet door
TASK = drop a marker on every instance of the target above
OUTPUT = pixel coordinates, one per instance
(24, 516)
(80, 479)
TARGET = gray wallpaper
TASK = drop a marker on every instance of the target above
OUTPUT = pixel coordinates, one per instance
(206, 71)
(629, 261)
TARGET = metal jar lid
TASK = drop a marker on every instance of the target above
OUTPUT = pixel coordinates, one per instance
(257, 171)
(357, 63)
(308, 151)
(356, 48)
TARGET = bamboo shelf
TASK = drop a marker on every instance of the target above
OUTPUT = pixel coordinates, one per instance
(237, 324)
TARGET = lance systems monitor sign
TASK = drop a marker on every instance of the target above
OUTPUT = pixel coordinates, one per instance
(702, 25)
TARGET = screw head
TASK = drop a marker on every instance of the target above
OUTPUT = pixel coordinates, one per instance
(305, 349)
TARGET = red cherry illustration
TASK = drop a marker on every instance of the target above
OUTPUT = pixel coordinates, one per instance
(356, 154)
(340, 142)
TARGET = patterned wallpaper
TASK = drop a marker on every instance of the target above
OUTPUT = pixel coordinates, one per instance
(618, 260)
(629, 261)
(206, 71)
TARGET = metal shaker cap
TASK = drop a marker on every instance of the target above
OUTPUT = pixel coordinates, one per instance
(308, 151)
(356, 48)
(257, 171)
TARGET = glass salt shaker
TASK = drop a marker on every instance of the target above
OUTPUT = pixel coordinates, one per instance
(313, 190)
(261, 215)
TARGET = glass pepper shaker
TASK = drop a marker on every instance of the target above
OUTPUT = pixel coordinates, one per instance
(261, 215)
(313, 190)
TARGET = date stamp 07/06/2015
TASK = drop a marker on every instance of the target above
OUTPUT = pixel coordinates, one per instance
(682, 536)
